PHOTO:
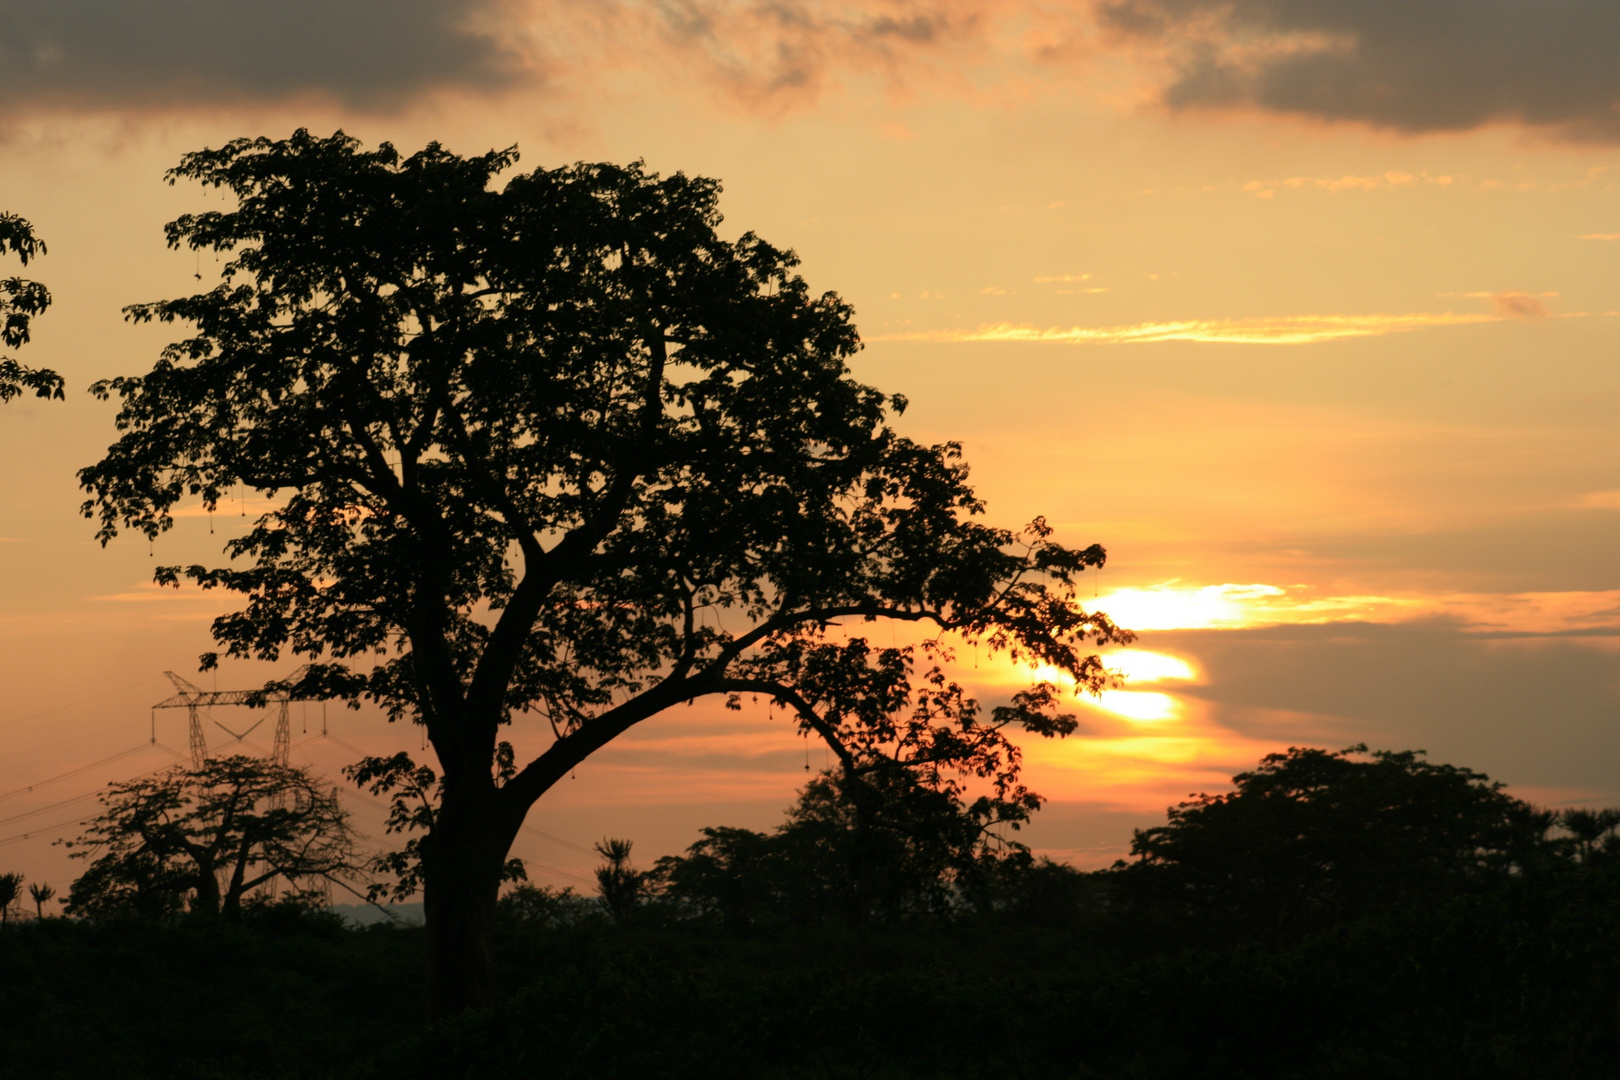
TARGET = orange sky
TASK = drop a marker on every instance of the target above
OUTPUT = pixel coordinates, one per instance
(1331, 375)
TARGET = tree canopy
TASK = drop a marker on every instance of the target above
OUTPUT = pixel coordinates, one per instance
(204, 839)
(21, 301)
(849, 854)
(1313, 837)
(548, 445)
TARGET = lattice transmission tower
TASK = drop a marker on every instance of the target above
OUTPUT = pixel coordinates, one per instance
(195, 700)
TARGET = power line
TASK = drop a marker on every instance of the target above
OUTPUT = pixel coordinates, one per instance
(530, 829)
(82, 701)
(558, 840)
(41, 829)
(52, 806)
(74, 772)
(75, 798)
(101, 735)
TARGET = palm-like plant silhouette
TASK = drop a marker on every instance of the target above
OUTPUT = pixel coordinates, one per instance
(42, 894)
(10, 890)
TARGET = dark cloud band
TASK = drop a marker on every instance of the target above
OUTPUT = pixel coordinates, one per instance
(146, 53)
(1412, 65)
(1529, 709)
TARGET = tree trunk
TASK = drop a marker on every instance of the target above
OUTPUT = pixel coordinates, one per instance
(207, 901)
(463, 858)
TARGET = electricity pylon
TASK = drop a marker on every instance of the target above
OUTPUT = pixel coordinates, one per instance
(192, 698)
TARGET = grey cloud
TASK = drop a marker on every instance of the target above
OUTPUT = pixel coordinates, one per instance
(124, 54)
(778, 53)
(1411, 65)
(1530, 710)
(1518, 305)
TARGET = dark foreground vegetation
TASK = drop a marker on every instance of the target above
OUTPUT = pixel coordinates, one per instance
(1337, 915)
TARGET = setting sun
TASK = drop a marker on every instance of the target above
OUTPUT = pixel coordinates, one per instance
(1142, 705)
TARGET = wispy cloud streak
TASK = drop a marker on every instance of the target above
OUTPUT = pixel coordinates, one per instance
(1279, 330)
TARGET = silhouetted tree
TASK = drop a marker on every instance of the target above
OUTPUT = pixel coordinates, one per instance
(556, 448)
(203, 839)
(1313, 837)
(42, 894)
(20, 301)
(1592, 833)
(10, 891)
(854, 849)
(619, 885)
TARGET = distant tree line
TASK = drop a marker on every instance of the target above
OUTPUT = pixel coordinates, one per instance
(1349, 913)
(1308, 840)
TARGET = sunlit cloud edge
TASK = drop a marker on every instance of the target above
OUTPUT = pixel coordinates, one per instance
(1282, 330)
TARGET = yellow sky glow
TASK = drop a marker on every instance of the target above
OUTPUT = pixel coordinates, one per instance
(1140, 705)
(1009, 179)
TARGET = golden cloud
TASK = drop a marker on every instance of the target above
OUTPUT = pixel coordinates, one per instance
(1279, 330)
(1265, 189)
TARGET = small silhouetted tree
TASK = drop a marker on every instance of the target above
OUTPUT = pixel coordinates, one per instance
(21, 301)
(203, 839)
(619, 885)
(42, 895)
(854, 850)
(10, 891)
(552, 449)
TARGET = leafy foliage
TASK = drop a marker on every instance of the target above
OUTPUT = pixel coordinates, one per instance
(203, 839)
(546, 445)
(21, 301)
(566, 402)
(412, 791)
(10, 893)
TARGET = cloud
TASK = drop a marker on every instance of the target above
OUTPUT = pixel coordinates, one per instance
(1177, 605)
(1280, 330)
(1518, 305)
(1265, 189)
(124, 54)
(777, 54)
(1436, 65)
(1529, 710)
(1599, 500)
(1172, 605)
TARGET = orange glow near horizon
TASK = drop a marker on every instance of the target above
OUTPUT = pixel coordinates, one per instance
(1318, 376)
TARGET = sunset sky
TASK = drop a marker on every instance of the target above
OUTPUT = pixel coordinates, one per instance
(1306, 311)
